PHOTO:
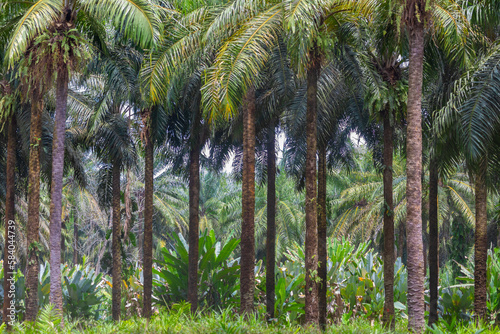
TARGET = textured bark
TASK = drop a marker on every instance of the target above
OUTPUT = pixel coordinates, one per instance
(10, 227)
(116, 244)
(128, 201)
(433, 242)
(33, 208)
(247, 278)
(481, 244)
(194, 214)
(388, 317)
(401, 239)
(75, 242)
(271, 220)
(148, 221)
(55, 296)
(322, 256)
(424, 235)
(311, 242)
(414, 183)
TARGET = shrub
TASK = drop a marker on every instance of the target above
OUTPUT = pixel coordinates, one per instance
(218, 272)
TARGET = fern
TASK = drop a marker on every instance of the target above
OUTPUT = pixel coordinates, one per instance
(49, 320)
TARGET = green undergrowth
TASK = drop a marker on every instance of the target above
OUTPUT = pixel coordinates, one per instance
(179, 320)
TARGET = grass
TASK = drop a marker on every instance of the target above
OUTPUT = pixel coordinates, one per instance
(228, 322)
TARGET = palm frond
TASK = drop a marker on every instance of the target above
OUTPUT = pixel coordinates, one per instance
(35, 21)
(239, 62)
(136, 19)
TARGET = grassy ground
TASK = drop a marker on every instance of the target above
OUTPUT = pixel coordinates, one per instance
(227, 322)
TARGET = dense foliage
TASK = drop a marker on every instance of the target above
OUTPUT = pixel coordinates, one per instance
(250, 165)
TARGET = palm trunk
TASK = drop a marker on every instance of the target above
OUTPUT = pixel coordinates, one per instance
(194, 214)
(311, 247)
(424, 236)
(247, 278)
(481, 243)
(271, 220)
(55, 296)
(433, 241)
(33, 209)
(75, 242)
(148, 219)
(401, 239)
(322, 256)
(10, 227)
(416, 319)
(116, 244)
(388, 317)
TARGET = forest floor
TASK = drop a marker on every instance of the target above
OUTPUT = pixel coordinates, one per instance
(226, 322)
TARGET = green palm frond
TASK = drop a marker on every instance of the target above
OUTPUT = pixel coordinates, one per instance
(453, 31)
(472, 115)
(239, 62)
(226, 18)
(136, 19)
(37, 18)
(184, 46)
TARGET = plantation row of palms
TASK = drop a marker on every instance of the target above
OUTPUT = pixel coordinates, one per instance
(96, 92)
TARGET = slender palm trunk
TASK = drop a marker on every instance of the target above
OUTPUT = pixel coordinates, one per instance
(33, 208)
(311, 247)
(10, 226)
(424, 236)
(433, 241)
(116, 244)
(55, 296)
(194, 214)
(481, 243)
(247, 278)
(416, 319)
(322, 256)
(271, 220)
(148, 220)
(75, 241)
(388, 317)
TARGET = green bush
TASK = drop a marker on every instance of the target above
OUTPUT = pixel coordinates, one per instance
(354, 278)
(218, 273)
(81, 294)
(80, 287)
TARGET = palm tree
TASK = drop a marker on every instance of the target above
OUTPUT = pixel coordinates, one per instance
(148, 212)
(254, 28)
(277, 86)
(186, 131)
(271, 219)
(337, 105)
(415, 15)
(439, 84)
(116, 80)
(178, 62)
(37, 107)
(380, 56)
(57, 21)
(308, 21)
(7, 114)
(474, 138)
